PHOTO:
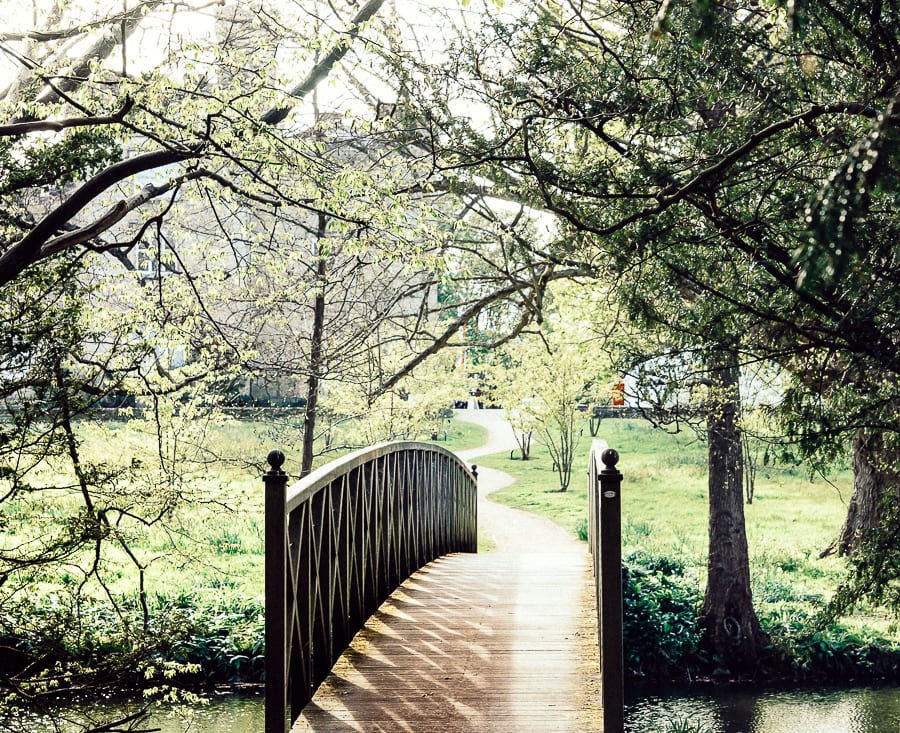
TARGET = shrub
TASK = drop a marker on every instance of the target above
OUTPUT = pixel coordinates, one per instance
(660, 617)
(188, 638)
(836, 653)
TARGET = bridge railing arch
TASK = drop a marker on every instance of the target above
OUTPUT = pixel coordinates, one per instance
(339, 541)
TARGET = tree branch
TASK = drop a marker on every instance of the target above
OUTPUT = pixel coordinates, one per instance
(674, 193)
(324, 67)
(24, 128)
(457, 325)
(31, 247)
(58, 35)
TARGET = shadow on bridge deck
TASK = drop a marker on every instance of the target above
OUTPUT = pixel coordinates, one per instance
(500, 643)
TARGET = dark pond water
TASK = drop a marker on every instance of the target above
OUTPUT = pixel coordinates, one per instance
(748, 710)
(221, 714)
(709, 710)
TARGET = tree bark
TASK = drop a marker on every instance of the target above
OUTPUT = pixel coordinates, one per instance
(731, 630)
(876, 476)
(315, 359)
(523, 438)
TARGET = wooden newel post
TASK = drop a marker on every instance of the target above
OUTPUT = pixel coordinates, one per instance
(275, 480)
(611, 657)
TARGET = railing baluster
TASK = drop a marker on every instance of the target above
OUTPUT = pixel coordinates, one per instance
(301, 598)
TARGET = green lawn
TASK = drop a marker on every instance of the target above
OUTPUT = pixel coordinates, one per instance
(460, 435)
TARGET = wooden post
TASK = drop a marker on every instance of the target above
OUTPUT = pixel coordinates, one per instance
(611, 657)
(275, 481)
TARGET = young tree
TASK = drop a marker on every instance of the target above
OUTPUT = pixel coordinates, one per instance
(545, 379)
(521, 416)
(717, 140)
(567, 386)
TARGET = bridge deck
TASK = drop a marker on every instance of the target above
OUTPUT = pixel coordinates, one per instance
(500, 643)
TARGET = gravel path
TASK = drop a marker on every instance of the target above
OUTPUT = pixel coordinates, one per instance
(511, 530)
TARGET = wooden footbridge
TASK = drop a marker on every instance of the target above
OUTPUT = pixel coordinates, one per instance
(381, 617)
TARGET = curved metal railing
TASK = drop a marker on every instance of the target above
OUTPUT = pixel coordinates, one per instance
(339, 541)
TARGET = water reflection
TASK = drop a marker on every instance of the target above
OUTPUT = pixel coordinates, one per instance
(748, 710)
(221, 714)
(228, 715)
(709, 709)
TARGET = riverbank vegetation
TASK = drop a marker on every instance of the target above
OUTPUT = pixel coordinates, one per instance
(794, 517)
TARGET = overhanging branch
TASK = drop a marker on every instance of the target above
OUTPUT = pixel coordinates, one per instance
(327, 63)
(24, 128)
(471, 313)
(31, 247)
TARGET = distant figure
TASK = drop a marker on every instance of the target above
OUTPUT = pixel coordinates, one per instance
(474, 403)
(618, 395)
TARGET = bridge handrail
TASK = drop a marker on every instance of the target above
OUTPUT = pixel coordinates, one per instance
(605, 543)
(301, 490)
(339, 541)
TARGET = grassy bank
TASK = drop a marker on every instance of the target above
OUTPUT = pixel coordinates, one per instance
(214, 543)
(664, 506)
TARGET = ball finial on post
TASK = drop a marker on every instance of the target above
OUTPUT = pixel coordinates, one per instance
(610, 458)
(276, 461)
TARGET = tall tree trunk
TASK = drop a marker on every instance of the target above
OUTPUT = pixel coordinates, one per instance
(731, 630)
(876, 476)
(316, 342)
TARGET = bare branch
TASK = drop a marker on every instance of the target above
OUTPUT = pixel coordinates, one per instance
(63, 33)
(470, 314)
(324, 67)
(24, 128)
(101, 49)
(227, 183)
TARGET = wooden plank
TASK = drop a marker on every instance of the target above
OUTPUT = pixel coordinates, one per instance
(471, 643)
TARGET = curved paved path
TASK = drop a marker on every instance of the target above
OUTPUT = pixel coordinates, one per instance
(510, 530)
(500, 642)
